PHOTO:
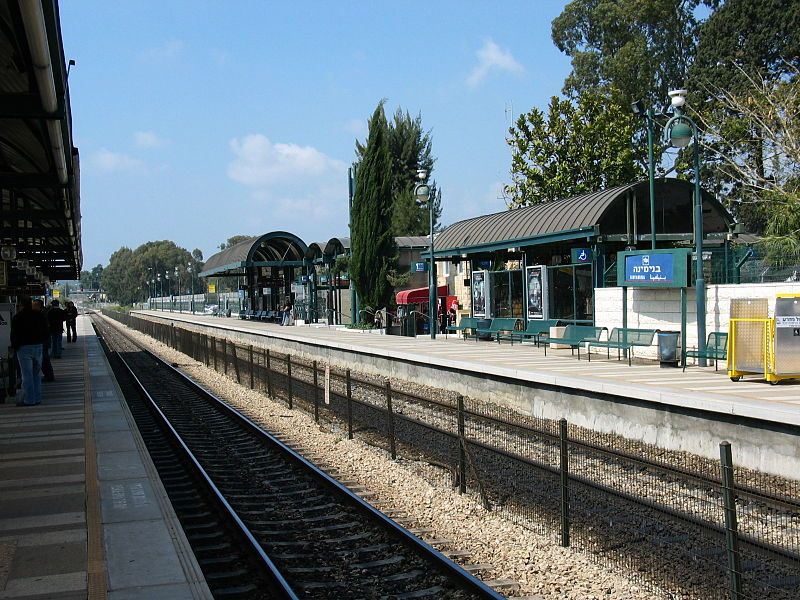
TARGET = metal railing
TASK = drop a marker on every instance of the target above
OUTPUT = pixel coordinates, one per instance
(676, 521)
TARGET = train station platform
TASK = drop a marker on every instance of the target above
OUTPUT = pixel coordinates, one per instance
(692, 410)
(82, 510)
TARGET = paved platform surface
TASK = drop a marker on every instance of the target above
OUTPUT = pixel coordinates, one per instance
(82, 512)
(697, 388)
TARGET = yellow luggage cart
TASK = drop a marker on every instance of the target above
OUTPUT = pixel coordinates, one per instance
(767, 346)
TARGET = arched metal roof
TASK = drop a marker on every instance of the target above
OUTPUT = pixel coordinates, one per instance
(600, 213)
(276, 248)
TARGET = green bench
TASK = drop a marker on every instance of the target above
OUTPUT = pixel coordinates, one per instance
(535, 330)
(466, 323)
(624, 339)
(574, 336)
(716, 349)
(498, 327)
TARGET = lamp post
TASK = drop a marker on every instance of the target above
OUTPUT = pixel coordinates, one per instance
(649, 116)
(169, 290)
(178, 275)
(422, 194)
(681, 130)
(191, 278)
(160, 291)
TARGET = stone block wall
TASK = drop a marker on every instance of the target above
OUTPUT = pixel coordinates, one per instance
(661, 309)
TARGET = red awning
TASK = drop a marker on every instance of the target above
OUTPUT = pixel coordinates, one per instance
(418, 295)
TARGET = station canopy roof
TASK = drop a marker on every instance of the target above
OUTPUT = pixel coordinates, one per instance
(39, 173)
(607, 213)
(274, 249)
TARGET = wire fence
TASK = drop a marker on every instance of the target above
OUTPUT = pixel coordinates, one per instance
(684, 524)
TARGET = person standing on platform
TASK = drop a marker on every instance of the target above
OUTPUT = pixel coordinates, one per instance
(71, 314)
(28, 332)
(55, 319)
(47, 365)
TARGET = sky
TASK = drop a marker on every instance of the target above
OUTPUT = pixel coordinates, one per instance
(201, 120)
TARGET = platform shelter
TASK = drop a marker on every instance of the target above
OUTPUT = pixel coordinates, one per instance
(546, 260)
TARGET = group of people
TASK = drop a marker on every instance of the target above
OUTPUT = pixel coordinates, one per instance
(36, 337)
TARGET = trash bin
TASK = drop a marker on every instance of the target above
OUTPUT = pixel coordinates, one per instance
(407, 326)
(484, 324)
(668, 348)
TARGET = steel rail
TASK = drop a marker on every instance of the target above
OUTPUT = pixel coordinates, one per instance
(457, 574)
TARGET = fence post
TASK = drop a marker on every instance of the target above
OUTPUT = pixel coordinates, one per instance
(349, 406)
(205, 349)
(289, 378)
(731, 533)
(316, 396)
(250, 352)
(235, 356)
(224, 343)
(462, 448)
(562, 427)
(269, 372)
(390, 419)
(214, 351)
(172, 335)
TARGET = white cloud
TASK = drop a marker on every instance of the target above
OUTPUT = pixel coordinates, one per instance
(292, 187)
(106, 160)
(492, 58)
(259, 163)
(148, 139)
(170, 50)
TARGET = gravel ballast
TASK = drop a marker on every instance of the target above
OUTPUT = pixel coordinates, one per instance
(538, 565)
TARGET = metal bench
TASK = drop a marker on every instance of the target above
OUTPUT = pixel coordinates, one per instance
(247, 314)
(624, 339)
(498, 327)
(535, 330)
(466, 323)
(716, 348)
(574, 336)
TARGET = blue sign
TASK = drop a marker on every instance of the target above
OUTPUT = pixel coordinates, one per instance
(581, 255)
(420, 267)
(649, 268)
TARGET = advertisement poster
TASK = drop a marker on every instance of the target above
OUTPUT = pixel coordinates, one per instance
(479, 293)
(535, 280)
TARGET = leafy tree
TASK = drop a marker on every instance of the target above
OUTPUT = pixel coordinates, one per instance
(232, 241)
(641, 49)
(411, 149)
(374, 251)
(577, 147)
(769, 109)
(744, 48)
(128, 272)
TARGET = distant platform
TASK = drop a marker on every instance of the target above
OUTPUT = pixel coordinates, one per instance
(82, 510)
(692, 411)
(698, 388)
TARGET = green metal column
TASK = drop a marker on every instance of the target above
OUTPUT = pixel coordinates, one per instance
(651, 167)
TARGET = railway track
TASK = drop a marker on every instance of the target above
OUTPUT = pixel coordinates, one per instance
(288, 530)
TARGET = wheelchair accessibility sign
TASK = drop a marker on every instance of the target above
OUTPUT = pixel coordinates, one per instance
(581, 255)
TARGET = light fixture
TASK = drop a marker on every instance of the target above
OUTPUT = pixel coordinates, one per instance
(22, 264)
(30, 271)
(677, 98)
(8, 253)
(422, 174)
(680, 134)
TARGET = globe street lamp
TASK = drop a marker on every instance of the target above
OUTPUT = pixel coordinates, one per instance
(178, 275)
(422, 194)
(681, 130)
(191, 277)
(169, 290)
(160, 291)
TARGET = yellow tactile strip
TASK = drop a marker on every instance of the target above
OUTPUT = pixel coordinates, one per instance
(96, 580)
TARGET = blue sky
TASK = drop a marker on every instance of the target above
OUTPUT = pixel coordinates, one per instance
(200, 120)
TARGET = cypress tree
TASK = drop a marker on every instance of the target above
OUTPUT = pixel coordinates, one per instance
(373, 245)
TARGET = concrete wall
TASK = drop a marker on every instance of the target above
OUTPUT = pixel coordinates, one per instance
(661, 309)
(765, 446)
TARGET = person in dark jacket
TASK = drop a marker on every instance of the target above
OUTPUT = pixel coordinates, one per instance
(71, 314)
(47, 365)
(55, 319)
(28, 332)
